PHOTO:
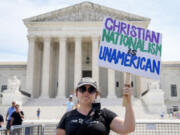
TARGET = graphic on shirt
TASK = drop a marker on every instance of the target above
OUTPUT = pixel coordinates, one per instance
(79, 121)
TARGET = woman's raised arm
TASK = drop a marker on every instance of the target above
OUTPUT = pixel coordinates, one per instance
(60, 132)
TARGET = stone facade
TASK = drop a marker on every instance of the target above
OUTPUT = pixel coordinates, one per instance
(63, 47)
(170, 73)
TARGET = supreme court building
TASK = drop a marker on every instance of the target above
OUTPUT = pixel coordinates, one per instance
(63, 47)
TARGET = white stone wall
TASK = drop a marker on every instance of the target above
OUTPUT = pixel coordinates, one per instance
(7, 71)
(170, 74)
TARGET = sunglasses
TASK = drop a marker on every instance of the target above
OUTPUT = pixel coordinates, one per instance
(91, 89)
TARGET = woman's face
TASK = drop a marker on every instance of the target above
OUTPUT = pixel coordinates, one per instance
(86, 94)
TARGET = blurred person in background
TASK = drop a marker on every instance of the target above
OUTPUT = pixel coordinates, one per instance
(1, 120)
(9, 113)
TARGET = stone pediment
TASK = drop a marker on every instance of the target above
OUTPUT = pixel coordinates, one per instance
(85, 11)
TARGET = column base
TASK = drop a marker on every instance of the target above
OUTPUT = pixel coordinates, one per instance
(44, 97)
(111, 97)
(61, 97)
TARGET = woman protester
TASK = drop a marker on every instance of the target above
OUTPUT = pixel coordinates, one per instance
(90, 119)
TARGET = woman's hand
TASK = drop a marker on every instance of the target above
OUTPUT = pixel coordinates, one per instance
(127, 92)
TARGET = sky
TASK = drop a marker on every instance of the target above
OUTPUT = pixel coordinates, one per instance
(164, 15)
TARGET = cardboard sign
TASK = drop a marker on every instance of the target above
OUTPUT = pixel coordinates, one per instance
(128, 48)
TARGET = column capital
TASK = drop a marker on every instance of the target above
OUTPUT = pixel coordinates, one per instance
(31, 37)
(62, 38)
(46, 38)
(78, 37)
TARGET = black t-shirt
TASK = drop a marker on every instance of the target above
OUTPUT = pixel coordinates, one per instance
(75, 123)
(17, 118)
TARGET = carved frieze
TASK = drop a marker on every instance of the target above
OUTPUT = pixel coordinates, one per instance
(86, 11)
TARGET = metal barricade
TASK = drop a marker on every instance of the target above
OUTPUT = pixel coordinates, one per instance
(29, 129)
(143, 127)
(153, 127)
(3, 131)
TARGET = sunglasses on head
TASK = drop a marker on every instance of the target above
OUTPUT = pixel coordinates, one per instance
(91, 89)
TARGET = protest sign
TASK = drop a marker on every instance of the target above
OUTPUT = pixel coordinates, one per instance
(129, 48)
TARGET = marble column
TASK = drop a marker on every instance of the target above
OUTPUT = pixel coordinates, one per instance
(62, 68)
(77, 61)
(95, 67)
(46, 68)
(111, 83)
(30, 66)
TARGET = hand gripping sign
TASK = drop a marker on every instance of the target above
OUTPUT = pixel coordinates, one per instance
(131, 49)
